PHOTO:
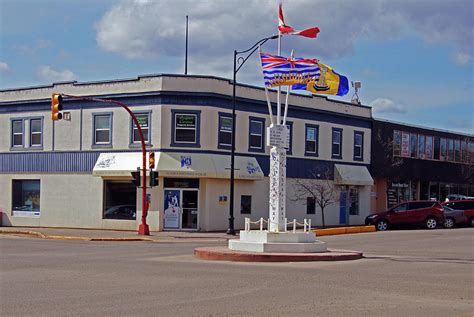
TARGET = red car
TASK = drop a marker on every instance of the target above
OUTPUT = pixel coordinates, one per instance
(467, 206)
(420, 212)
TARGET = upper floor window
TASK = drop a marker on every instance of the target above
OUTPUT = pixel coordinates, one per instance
(256, 134)
(311, 142)
(143, 119)
(450, 149)
(421, 146)
(413, 145)
(397, 143)
(185, 125)
(436, 148)
(457, 150)
(464, 151)
(103, 129)
(18, 133)
(224, 137)
(429, 147)
(358, 145)
(444, 150)
(336, 143)
(36, 132)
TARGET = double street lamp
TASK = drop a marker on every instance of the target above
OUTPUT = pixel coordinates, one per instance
(241, 61)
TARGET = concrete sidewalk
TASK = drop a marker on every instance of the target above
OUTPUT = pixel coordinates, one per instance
(114, 235)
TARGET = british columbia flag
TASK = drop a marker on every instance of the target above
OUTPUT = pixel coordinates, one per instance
(282, 71)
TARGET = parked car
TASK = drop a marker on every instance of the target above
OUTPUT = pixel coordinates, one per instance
(458, 197)
(453, 217)
(121, 212)
(426, 213)
(467, 207)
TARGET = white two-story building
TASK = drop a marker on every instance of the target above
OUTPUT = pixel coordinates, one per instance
(76, 172)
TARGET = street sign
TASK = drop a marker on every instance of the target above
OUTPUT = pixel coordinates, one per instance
(278, 136)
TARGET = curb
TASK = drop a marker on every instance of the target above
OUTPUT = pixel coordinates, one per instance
(43, 236)
(343, 230)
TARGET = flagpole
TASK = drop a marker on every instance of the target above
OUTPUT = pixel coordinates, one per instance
(279, 87)
(186, 53)
(285, 113)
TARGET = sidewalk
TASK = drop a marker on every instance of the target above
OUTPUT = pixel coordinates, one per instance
(113, 235)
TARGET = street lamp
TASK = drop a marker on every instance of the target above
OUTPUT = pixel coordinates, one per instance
(241, 62)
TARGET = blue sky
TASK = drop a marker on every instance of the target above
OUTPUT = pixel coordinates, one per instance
(414, 58)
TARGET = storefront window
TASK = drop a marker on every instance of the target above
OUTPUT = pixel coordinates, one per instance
(26, 198)
(120, 200)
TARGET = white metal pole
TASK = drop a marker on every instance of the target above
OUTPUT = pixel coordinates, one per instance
(279, 87)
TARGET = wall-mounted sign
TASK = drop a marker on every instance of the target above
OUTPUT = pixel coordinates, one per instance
(67, 116)
(278, 136)
(185, 121)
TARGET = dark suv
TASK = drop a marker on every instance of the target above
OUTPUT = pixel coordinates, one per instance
(426, 213)
(468, 209)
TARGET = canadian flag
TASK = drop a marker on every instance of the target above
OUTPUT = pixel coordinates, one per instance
(286, 29)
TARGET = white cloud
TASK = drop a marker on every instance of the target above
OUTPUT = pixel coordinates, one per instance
(153, 29)
(383, 105)
(462, 59)
(4, 67)
(48, 74)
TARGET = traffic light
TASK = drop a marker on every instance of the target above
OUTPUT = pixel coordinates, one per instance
(151, 160)
(136, 178)
(153, 178)
(56, 106)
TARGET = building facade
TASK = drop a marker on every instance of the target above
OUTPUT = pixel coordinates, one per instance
(416, 163)
(76, 172)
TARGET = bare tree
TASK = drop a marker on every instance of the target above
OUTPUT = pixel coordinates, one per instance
(320, 188)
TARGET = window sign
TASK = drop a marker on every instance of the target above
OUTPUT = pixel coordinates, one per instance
(405, 144)
(172, 209)
(143, 121)
(185, 128)
(26, 198)
(225, 130)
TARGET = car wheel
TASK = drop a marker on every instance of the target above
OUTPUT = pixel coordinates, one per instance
(449, 223)
(431, 223)
(382, 225)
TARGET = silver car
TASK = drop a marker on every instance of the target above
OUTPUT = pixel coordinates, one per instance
(452, 217)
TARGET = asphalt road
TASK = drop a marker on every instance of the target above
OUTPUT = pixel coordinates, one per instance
(405, 273)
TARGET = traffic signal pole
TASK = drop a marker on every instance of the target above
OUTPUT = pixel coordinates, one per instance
(143, 229)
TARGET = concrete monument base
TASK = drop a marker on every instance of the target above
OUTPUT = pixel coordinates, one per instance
(277, 242)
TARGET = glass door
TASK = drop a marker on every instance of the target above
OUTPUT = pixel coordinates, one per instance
(190, 209)
(180, 209)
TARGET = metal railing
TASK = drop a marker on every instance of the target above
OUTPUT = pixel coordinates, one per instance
(306, 224)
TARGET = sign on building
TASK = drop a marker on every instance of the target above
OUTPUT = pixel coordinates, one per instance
(278, 136)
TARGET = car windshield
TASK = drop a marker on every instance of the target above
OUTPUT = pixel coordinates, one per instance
(446, 208)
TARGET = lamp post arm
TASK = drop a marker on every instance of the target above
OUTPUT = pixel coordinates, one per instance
(252, 50)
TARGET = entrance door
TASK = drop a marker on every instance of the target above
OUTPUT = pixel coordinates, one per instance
(181, 209)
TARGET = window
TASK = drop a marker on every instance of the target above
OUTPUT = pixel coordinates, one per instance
(401, 208)
(245, 204)
(397, 143)
(256, 134)
(225, 131)
(457, 150)
(413, 145)
(103, 129)
(26, 198)
(120, 200)
(450, 149)
(444, 150)
(353, 201)
(310, 206)
(421, 146)
(186, 125)
(144, 122)
(311, 143)
(17, 133)
(336, 143)
(358, 146)
(464, 151)
(436, 148)
(471, 152)
(429, 147)
(36, 132)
